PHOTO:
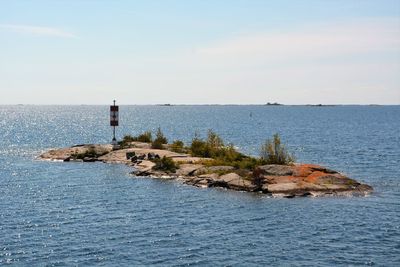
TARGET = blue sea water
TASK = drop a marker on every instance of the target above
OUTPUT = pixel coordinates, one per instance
(54, 213)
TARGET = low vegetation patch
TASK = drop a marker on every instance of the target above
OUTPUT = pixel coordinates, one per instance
(214, 148)
(165, 164)
(90, 153)
(223, 155)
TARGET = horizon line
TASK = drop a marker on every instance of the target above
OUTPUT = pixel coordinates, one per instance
(205, 104)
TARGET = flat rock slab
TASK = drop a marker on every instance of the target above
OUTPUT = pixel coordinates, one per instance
(188, 169)
(235, 181)
(65, 154)
(277, 170)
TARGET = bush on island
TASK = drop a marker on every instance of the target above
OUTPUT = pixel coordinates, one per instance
(274, 152)
(223, 155)
(178, 146)
(160, 140)
(165, 164)
(145, 137)
(127, 139)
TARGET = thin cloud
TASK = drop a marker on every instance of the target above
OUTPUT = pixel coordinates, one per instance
(37, 30)
(315, 41)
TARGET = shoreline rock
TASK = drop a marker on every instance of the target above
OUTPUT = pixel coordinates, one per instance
(276, 180)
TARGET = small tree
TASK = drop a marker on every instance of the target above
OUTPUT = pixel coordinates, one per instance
(160, 140)
(199, 148)
(178, 146)
(273, 152)
(214, 140)
(160, 136)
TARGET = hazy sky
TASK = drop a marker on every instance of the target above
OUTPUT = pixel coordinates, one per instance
(193, 52)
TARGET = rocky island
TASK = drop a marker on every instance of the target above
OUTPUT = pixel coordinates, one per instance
(223, 167)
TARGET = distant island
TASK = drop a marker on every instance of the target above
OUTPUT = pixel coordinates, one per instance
(165, 105)
(273, 104)
(319, 105)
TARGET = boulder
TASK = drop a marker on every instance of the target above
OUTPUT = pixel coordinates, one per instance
(130, 154)
(197, 181)
(234, 181)
(211, 176)
(134, 159)
(141, 172)
(229, 177)
(188, 169)
(278, 170)
(151, 156)
(202, 183)
(141, 156)
(280, 188)
(88, 159)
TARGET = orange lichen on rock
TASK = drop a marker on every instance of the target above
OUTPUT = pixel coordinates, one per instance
(304, 170)
(313, 177)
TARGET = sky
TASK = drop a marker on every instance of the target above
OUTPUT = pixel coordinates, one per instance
(199, 52)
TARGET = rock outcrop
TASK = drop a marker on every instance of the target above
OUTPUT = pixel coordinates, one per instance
(276, 180)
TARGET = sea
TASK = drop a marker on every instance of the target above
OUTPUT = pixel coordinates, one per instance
(97, 214)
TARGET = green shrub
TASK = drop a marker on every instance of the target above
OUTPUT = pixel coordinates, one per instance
(228, 153)
(160, 137)
(160, 140)
(222, 155)
(248, 163)
(178, 146)
(213, 147)
(199, 148)
(126, 140)
(90, 153)
(157, 144)
(145, 137)
(165, 164)
(273, 152)
(214, 140)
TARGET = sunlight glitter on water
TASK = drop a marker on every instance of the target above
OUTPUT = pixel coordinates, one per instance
(85, 214)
